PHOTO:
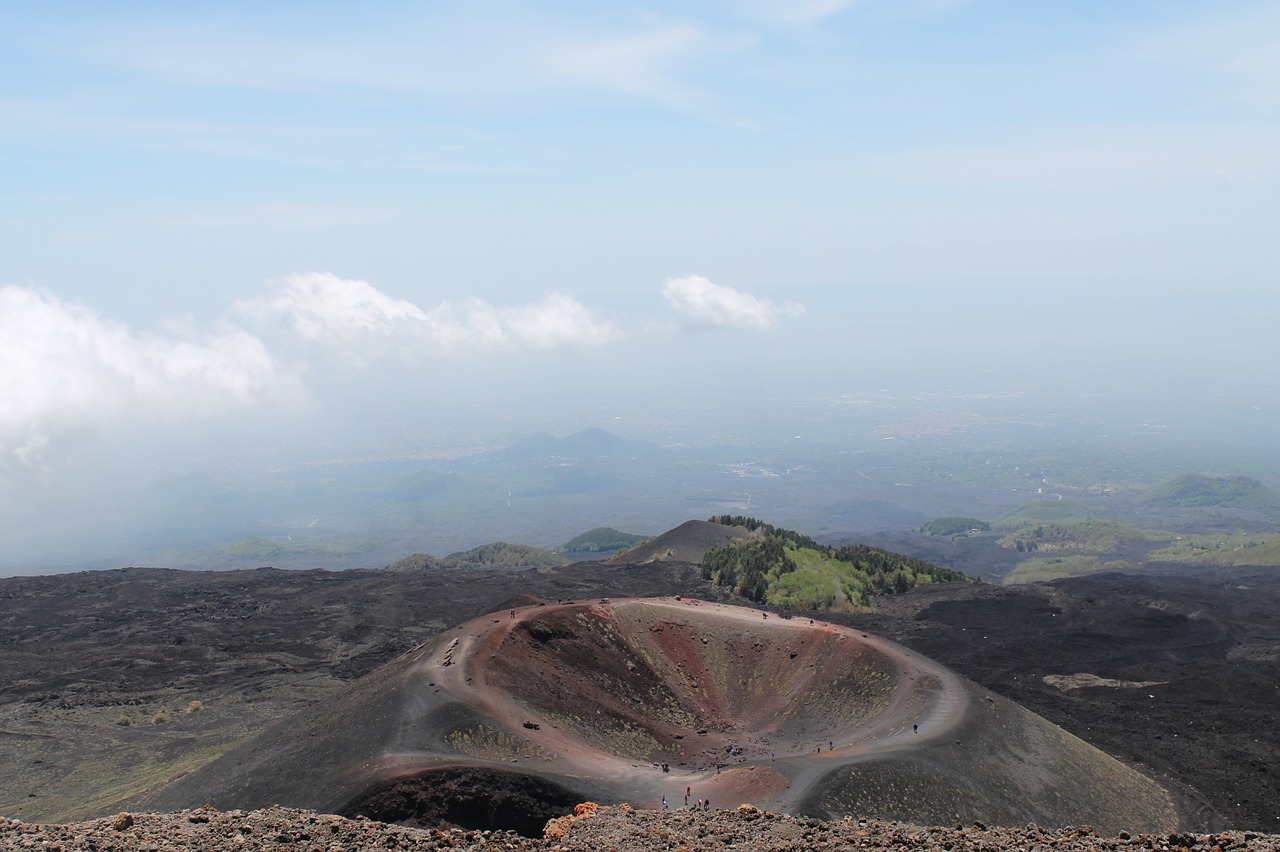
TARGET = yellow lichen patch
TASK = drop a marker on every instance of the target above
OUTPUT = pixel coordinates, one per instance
(1083, 679)
(488, 742)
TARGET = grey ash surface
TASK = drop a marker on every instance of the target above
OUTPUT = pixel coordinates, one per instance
(79, 651)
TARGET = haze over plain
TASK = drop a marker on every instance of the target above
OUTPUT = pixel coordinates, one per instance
(240, 240)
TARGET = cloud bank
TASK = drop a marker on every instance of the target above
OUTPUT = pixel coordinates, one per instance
(704, 303)
(68, 374)
(64, 371)
(325, 312)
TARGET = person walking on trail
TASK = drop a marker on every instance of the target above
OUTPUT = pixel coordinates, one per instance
(706, 806)
(664, 803)
(687, 791)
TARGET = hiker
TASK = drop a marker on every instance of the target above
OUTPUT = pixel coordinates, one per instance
(915, 729)
(706, 806)
(687, 791)
(664, 803)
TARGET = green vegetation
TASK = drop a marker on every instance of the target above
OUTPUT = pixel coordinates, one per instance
(417, 562)
(1054, 568)
(258, 548)
(1229, 492)
(953, 526)
(1043, 512)
(1082, 536)
(600, 540)
(792, 571)
(498, 554)
(1225, 550)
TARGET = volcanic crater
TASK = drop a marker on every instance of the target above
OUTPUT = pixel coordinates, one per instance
(515, 716)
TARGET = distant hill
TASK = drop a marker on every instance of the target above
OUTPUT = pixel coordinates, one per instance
(600, 540)
(953, 526)
(593, 443)
(1097, 536)
(1043, 512)
(688, 542)
(1228, 492)
(259, 549)
(1237, 549)
(792, 571)
(498, 554)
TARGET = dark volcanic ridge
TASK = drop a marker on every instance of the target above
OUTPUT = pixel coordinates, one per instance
(517, 715)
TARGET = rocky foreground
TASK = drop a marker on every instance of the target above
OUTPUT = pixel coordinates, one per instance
(591, 829)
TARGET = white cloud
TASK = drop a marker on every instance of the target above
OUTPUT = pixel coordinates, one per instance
(319, 307)
(68, 375)
(708, 304)
(470, 323)
(65, 372)
(357, 322)
(558, 322)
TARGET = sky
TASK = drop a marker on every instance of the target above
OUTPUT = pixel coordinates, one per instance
(225, 218)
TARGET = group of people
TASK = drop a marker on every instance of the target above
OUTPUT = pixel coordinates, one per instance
(699, 805)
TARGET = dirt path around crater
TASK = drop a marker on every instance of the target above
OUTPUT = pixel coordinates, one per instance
(928, 702)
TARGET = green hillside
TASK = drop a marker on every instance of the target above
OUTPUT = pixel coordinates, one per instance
(953, 526)
(1043, 512)
(498, 554)
(1223, 550)
(600, 540)
(1057, 567)
(791, 571)
(259, 548)
(1228, 492)
(1096, 536)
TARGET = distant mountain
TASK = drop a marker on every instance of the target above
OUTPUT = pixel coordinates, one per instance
(593, 443)
(1227, 492)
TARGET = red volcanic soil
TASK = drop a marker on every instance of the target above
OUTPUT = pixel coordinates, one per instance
(637, 700)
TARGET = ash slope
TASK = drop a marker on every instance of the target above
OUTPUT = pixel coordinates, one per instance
(549, 704)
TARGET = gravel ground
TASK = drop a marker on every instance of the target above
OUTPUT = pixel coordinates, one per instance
(593, 829)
